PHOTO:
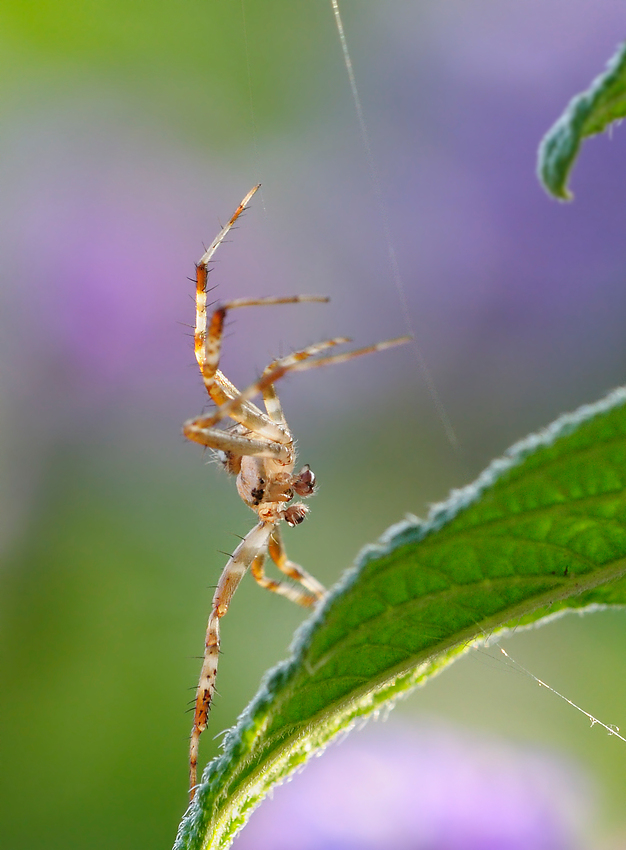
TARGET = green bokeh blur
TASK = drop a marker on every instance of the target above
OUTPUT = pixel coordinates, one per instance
(134, 127)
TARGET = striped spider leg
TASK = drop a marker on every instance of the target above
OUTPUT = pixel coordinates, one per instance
(258, 449)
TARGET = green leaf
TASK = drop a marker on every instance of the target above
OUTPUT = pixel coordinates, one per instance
(543, 529)
(586, 114)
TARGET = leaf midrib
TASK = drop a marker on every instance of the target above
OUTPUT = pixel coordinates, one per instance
(428, 599)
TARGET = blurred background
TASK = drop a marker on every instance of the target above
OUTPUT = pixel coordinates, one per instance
(129, 133)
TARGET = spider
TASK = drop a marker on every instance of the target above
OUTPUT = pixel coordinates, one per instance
(259, 450)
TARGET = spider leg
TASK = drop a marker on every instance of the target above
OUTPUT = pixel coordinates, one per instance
(294, 594)
(250, 547)
(208, 335)
(270, 396)
(236, 406)
(277, 553)
(273, 425)
(282, 366)
(248, 414)
(200, 431)
(208, 346)
(202, 273)
(286, 364)
(206, 257)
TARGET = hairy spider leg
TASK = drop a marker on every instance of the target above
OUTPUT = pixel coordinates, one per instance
(236, 444)
(277, 553)
(294, 594)
(270, 396)
(250, 552)
(202, 271)
(206, 257)
(207, 340)
(253, 544)
(284, 365)
(236, 407)
(208, 345)
(208, 335)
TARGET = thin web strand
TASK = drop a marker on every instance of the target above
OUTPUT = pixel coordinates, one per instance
(253, 126)
(391, 252)
(612, 730)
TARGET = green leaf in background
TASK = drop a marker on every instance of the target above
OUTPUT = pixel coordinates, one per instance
(543, 529)
(586, 114)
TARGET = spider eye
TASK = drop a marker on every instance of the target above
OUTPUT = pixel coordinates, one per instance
(295, 514)
(304, 483)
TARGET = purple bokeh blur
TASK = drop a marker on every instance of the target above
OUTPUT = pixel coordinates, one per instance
(425, 787)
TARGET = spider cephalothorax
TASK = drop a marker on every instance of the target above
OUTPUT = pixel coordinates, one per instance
(267, 486)
(259, 450)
